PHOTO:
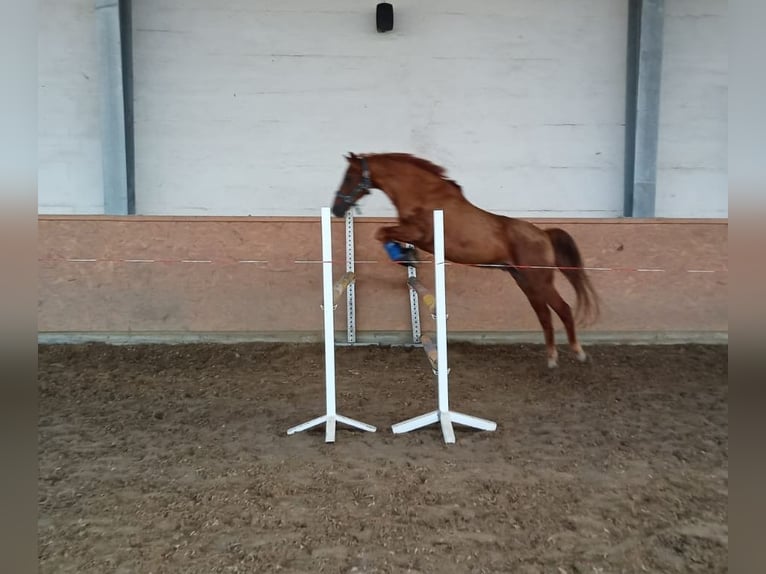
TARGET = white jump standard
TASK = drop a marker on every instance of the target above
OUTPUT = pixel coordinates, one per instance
(443, 414)
(331, 293)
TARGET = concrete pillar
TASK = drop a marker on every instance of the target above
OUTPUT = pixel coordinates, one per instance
(645, 29)
(113, 116)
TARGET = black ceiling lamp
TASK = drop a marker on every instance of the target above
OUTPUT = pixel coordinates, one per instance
(384, 17)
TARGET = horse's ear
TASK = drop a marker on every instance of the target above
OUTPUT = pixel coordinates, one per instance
(350, 156)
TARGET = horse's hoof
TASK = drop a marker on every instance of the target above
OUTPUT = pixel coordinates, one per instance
(552, 363)
(400, 254)
(408, 257)
(582, 356)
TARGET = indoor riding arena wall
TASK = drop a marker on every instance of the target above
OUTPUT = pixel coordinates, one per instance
(179, 279)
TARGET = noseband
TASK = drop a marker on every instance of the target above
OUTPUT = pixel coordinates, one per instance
(364, 185)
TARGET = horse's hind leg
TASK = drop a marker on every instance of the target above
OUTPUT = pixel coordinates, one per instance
(564, 311)
(530, 283)
(546, 322)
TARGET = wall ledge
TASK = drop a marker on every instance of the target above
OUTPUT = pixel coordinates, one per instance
(388, 338)
(360, 219)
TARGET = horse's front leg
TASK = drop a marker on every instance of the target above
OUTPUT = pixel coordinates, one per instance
(392, 237)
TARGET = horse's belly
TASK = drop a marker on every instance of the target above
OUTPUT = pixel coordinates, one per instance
(471, 251)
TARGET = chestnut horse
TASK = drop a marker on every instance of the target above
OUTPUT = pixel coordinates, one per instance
(472, 236)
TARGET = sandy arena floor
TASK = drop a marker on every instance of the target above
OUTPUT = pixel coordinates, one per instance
(176, 459)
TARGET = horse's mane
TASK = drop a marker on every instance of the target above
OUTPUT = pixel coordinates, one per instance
(425, 165)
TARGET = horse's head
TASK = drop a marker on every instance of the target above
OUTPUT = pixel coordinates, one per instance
(355, 185)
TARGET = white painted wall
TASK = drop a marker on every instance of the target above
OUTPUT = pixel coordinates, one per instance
(247, 107)
(692, 177)
(68, 108)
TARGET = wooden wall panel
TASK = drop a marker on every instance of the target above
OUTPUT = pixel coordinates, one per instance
(280, 298)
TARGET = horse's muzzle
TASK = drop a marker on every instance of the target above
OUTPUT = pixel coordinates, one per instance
(339, 208)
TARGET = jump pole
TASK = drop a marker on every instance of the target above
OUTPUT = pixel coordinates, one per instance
(351, 290)
(331, 291)
(443, 414)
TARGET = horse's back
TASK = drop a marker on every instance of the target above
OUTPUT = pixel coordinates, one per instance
(482, 237)
(473, 235)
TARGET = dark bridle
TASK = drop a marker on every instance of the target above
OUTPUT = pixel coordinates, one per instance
(345, 201)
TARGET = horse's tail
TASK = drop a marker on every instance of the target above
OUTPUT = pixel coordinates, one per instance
(570, 263)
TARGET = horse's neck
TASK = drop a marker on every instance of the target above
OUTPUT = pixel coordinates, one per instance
(403, 184)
